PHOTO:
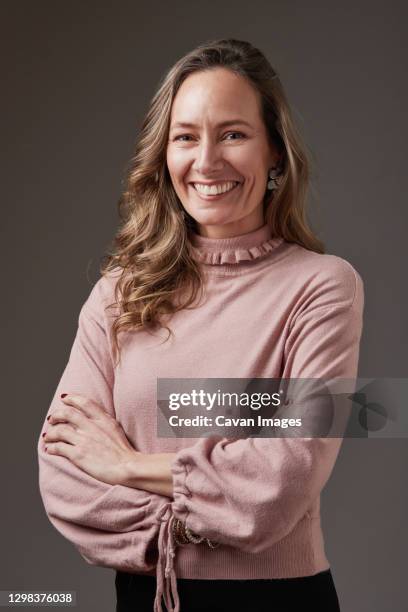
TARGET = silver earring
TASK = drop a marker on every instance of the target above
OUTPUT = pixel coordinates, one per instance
(275, 178)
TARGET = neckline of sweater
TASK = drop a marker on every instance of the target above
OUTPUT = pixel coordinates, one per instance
(236, 250)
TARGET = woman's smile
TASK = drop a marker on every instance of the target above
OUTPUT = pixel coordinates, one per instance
(214, 191)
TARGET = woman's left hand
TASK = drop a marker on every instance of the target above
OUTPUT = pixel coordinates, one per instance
(93, 440)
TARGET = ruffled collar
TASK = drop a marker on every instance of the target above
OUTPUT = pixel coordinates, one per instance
(246, 247)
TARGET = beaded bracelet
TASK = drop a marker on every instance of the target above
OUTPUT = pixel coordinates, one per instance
(212, 544)
(183, 535)
(192, 537)
(179, 534)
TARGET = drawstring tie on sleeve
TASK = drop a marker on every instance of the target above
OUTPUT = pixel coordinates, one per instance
(165, 573)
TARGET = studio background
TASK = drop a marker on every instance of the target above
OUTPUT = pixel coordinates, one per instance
(77, 79)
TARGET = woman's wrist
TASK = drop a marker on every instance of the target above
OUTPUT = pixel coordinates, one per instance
(150, 472)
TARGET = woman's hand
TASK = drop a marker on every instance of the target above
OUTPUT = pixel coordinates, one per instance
(93, 440)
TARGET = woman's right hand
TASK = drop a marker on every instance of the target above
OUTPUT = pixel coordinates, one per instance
(83, 432)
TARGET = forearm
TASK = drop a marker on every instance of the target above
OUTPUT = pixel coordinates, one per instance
(150, 472)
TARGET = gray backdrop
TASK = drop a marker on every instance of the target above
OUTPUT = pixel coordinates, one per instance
(77, 78)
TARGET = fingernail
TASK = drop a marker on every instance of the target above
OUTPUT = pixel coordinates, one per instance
(63, 394)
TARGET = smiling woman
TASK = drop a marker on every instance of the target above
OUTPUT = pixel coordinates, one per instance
(213, 208)
(220, 180)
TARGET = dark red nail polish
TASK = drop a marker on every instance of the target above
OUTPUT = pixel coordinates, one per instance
(63, 394)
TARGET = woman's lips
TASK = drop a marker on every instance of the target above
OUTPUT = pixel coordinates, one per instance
(217, 196)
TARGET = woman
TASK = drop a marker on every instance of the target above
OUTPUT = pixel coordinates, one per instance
(214, 273)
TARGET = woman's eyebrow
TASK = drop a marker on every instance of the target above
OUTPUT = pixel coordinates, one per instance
(184, 124)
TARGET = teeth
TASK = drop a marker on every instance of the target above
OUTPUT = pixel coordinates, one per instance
(215, 189)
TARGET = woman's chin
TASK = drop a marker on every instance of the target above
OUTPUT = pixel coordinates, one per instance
(212, 217)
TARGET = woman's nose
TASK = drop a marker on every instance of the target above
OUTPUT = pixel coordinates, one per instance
(208, 158)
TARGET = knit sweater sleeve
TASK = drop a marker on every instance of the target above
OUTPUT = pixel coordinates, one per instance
(110, 525)
(251, 493)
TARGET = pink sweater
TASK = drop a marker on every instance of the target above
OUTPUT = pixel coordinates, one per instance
(273, 309)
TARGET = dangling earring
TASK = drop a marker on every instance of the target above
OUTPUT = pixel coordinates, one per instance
(275, 177)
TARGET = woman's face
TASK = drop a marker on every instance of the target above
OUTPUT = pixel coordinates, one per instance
(218, 141)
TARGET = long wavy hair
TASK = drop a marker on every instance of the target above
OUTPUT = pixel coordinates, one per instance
(151, 252)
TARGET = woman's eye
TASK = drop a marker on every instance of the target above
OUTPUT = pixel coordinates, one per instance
(185, 137)
(182, 136)
(240, 134)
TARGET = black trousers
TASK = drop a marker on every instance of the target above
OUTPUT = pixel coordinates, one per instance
(316, 593)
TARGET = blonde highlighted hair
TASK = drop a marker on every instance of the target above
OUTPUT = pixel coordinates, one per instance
(151, 250)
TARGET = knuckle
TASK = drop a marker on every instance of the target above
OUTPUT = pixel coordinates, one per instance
(65, 412)
(91, 406)
(78, 452)
(56, 429)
